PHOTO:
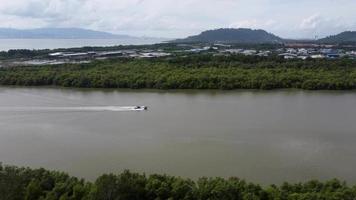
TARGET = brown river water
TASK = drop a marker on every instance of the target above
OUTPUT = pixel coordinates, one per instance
(262, 136)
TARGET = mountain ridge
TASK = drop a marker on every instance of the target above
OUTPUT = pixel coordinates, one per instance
(223, 35)
(258, 36)
(343, 37)
(230, 35)
(57, 33)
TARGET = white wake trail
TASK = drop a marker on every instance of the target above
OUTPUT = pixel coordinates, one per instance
(72, 108)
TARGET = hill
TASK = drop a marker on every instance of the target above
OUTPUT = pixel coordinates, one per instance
(230, 35)
(56, 33)
(344, 37)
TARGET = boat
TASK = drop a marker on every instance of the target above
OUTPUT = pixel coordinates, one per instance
(139, 108)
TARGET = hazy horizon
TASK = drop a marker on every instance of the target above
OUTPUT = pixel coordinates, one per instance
(159, 37)
(154, 18)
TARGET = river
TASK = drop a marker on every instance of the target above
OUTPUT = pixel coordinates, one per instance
(262, 136)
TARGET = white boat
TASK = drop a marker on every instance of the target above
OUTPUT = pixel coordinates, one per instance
(140, 108)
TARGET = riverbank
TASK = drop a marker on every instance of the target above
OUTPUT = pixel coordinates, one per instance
(196, 72)
(26, 183)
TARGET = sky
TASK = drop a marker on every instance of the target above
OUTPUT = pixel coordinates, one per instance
(181, 18)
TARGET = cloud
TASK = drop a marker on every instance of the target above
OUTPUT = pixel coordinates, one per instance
(319, 25)
(254, 24)
(169, 18)
(311, 22)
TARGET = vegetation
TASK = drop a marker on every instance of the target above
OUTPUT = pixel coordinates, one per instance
(191, 72)
(230, 35)
(347, 37)
(40, 184)
(21, 53)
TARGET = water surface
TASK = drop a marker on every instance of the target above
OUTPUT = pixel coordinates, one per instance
(265, 137)
(7, 44)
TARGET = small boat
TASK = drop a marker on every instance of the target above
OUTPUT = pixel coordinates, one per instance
(138, 108)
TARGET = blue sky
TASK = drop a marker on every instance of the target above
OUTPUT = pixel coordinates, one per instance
(180, 18)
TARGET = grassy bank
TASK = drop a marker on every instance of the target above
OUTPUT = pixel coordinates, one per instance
(192, 72)
(33, 184)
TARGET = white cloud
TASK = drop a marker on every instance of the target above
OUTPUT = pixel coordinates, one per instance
(169, 18)
(311, 22)
(320, 26)
(254, 24)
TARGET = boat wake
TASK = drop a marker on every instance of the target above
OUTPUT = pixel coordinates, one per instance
(79, 108)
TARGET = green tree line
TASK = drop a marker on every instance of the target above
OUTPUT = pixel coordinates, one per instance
(40, 184)
(191, 72)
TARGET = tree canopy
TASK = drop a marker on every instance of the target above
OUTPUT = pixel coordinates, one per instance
(40, 184)
(191, 72)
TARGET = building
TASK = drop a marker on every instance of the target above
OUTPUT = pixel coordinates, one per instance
(288, 55)
(317, 56)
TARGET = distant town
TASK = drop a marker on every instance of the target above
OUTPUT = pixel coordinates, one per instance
(219, 42)
(289, 51)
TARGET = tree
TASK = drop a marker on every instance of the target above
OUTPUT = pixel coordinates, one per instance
(33, 190)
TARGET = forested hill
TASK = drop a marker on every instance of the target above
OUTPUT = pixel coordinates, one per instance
(240, 35)
(344, 37)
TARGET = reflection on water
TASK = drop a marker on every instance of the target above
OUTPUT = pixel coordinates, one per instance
(266, 137)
